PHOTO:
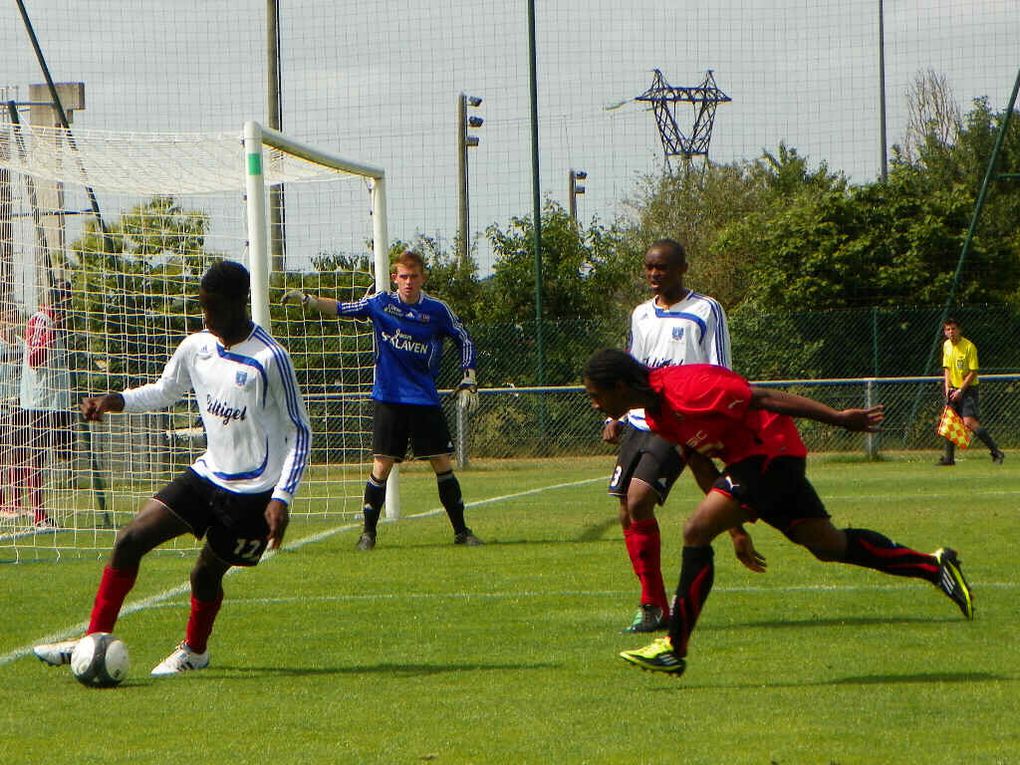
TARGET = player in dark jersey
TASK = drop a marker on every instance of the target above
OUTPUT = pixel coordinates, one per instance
(410, 327)
(237, 494)
(717, 413)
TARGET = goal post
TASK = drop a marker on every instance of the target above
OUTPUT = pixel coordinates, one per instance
(255, 136)
(172, 204)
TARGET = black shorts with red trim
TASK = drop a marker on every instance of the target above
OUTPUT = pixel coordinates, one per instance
(647, 457)
(396, 425)
(776, 490)
(234, 525)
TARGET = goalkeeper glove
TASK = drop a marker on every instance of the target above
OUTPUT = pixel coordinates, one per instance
(467, 392)
(295, 296)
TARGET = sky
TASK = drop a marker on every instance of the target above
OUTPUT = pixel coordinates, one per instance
(379, 82)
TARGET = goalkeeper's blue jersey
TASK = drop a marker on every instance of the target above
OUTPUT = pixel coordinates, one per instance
(409, 345)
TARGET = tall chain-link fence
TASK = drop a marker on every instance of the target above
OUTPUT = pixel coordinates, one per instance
(845, 358)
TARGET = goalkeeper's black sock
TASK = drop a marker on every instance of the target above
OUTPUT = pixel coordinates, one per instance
(986, 437)
(452, 499)
(876, 551)
(375, 496)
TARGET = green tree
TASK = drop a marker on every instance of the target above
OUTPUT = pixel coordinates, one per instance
(134, 290)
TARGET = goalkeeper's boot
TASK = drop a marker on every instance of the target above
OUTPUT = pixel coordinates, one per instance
(55, 654)
(366, 541)
(467, 538)
(998, 456)
(951, 581)
(657, 656)
(649, 618)
(183, 659)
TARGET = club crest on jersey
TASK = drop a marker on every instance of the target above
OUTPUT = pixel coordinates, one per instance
(240, 378)
(678, 333)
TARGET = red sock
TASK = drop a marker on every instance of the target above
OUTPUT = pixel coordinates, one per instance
(113, 588)
(200, 622)
(644, 546)
(33, 482)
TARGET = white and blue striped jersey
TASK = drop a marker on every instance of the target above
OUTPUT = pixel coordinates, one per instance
(409, 344)
(257, 433)
(691, 331)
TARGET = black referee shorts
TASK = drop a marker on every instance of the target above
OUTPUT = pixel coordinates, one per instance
(968, 404)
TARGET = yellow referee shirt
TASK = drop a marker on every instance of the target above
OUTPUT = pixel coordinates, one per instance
(960, 360)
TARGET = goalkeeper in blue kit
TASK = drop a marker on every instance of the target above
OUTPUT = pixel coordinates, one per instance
(410, 328)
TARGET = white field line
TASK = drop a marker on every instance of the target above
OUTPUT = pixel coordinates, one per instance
(159, 599)
(515, 595)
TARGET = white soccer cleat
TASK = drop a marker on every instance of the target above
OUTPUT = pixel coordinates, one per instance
(183, 659)
(55, 654)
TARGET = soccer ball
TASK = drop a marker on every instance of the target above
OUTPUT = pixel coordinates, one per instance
(100, 660)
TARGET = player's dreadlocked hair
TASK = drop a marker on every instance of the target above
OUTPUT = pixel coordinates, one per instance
(227, 278)
(609, 366)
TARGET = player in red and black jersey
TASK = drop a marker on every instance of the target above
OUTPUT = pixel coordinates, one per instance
(717, 413)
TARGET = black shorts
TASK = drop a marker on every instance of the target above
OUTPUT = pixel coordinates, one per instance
(776, 490)
(647, 457)
(968, 404)
(234, 525)
(394, 425)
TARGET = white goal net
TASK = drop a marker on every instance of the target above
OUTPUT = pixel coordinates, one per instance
(103, 239)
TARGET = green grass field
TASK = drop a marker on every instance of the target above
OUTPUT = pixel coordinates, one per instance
(425, 652)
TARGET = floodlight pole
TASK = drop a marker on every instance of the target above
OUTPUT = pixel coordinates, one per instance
(274, 120)
(881, 92)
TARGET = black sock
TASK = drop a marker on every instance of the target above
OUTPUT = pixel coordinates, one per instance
(950, 452)
(985, 436)
(697, 572)
(375, 496)
(452, 499)
(873, 550)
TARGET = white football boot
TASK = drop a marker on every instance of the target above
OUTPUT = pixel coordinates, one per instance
(182, 659)
(55, 654)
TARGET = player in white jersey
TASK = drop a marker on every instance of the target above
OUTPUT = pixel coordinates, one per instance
(237, 494)
(677, 326)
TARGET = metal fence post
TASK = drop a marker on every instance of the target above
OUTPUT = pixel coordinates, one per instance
(462, 438)
(870, 439)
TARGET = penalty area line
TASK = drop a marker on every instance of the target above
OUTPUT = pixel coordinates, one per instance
(155, 601)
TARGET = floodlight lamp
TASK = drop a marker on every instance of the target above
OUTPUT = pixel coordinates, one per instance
(580, 174)
(475, 122)
(578, 189)
(471, 140)
(474, 100)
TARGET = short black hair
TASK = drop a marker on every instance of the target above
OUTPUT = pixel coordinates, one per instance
(228, 279)
(951, 320)
(677, 253)
(610, 366)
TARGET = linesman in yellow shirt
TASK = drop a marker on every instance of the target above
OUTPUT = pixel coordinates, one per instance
(960, 362)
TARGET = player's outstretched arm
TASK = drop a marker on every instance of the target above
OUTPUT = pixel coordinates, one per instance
(310, 302)
(859, 420)
(94, 407)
